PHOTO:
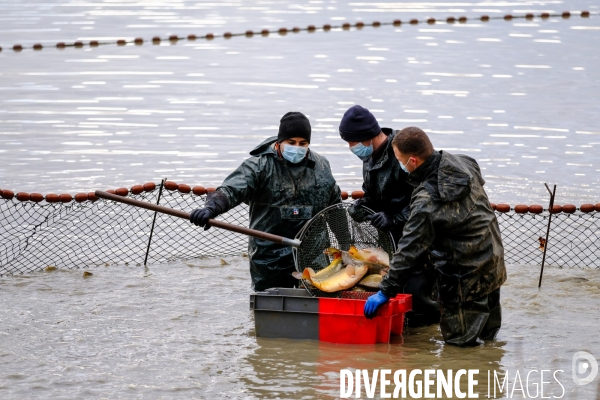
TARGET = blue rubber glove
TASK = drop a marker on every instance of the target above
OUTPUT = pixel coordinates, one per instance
(374, 302)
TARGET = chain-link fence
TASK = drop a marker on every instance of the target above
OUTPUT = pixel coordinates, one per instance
(36, 234)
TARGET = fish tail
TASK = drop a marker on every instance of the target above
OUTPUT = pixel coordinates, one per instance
(307, 274)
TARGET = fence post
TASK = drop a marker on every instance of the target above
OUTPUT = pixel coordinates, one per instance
(162, 184)
(552, 194)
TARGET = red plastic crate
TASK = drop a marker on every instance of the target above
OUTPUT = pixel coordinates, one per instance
(343, 320)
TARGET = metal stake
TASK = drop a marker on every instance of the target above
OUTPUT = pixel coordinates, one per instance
(552, 194)
(162, 184)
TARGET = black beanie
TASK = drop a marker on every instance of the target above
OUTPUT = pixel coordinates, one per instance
(293, 124)
(358, 124)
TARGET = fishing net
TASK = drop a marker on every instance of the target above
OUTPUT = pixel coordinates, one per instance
(574, 239)
(35, 234)
(38, 235)
(339, 226)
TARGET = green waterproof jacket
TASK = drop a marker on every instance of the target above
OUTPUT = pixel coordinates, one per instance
(282, 197)
(385, 186)
(452, 220)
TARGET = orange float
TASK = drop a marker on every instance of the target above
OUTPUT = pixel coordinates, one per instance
(137, 189)
(521, 208)
(357, 194)
(503, 208)
(52, 198)
(536, 209)
(170, 185)
(23, 196)
(199, 190)
(586, 208)
(183, 188)
(81, 197)
(122, 192)
(36, 197)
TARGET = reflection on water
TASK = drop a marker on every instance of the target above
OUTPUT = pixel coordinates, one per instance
(113, 116)
(276, 363)
(184, 330)
(519, 96)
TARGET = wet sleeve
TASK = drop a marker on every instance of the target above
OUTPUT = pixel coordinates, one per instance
(366, 200)
(241, 184)
(400, 206)
(336, 195)
(417, 237)
(402, 216)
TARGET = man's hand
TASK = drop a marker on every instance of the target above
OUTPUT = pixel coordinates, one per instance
(357, 212)
(382, 221)
(373, 303)
(216, 203)
(200, 217)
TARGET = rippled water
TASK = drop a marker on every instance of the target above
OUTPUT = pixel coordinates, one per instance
(520, 96)
(184, 330)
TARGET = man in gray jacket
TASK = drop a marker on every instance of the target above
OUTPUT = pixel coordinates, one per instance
(285, 184)
(452, 221)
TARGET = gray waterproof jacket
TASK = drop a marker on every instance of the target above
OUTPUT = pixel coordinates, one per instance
(282, 197)
(450, 218)
(385, 185)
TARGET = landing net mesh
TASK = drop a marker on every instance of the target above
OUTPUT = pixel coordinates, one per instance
(34, 236)
(336, 227)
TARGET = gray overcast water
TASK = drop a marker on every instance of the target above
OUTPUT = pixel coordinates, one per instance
(519, 96)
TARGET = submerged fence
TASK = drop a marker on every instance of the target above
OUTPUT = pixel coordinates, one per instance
(63, 231)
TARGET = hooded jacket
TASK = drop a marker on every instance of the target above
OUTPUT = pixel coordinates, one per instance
(450, 218)
(385, 185)
(282, 196)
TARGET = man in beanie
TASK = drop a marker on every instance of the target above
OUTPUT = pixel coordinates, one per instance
(284, 184)
(387, 193)
(452, 221)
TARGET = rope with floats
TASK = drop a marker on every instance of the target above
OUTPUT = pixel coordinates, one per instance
(311, 29)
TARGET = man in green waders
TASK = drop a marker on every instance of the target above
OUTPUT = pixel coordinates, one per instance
(452, 221)
(284, 184)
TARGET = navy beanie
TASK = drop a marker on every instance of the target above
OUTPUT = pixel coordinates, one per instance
(358, 124)
(293, 124)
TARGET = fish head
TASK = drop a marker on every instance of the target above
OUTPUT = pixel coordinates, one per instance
(330, 251)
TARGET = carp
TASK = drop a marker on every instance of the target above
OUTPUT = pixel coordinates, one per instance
(377, 259)
(331, 269)
(340, 280)
(371, 282)
(371, 254)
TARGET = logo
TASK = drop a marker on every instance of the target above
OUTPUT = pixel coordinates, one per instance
(296, 212)
(584, 363)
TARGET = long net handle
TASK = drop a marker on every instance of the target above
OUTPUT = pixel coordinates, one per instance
(213, 222)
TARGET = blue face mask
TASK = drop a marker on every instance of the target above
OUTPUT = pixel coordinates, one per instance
(294, 154)
(403, 167)
(361, 151)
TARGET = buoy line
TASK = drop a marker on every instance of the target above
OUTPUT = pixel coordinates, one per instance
(311, 29)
